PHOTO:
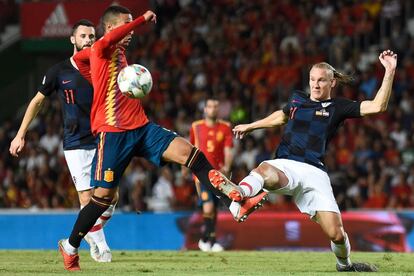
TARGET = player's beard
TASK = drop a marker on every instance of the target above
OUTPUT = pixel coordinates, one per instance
(80, 48)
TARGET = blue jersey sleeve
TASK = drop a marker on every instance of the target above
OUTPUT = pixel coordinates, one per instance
(49, 82)
(347, 108)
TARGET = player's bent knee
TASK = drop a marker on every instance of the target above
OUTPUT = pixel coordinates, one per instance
(105, 193)
(178, 151)
(270, 176)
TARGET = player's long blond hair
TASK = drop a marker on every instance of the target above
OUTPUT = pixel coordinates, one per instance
(340, 77)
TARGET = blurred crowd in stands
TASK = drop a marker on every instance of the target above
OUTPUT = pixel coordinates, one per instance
(250, 55)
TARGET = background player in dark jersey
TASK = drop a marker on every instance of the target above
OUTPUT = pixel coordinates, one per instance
(123, 129)
(214, 138)
(298, 169)
(75, 96)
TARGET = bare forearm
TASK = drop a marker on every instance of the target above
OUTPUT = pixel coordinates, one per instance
(384, 93)
(31, 112)
(277, 118)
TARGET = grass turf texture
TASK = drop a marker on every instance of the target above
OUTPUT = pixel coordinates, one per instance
(21, 262)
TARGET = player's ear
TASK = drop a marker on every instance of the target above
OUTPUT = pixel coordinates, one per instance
(72, 39)
(333, 84)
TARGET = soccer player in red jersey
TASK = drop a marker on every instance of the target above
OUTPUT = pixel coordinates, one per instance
(123, 130)
(214, 138)
(75, 96)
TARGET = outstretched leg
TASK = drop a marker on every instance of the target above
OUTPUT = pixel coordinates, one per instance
(332, 226)
(182, 152)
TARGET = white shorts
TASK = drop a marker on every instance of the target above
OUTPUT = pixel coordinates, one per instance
(80, 163)
(310, 186)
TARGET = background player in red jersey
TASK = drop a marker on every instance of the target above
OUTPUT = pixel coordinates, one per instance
(124, 130)
(75, 95)
(215, 139)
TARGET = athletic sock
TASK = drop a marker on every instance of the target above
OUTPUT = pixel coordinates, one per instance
(87, 217)
(106, 216)
(234, 208)
(69, 248)
(252, 184)
(98, 236)
(199, 166)
(342, 251)
(209, 229)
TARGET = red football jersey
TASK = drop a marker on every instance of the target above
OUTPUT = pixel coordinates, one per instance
(111, 110)
(212, 140)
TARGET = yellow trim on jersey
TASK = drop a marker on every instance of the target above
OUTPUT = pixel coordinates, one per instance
(111, 92)
(98, 168)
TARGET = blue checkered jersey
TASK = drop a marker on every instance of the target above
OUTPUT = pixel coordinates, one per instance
(311, 125)
(75, 94)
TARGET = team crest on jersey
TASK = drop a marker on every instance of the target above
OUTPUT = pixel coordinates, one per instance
(322, 112)
(219, 136)
(109, 175)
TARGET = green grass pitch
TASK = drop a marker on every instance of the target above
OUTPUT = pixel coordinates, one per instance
(48, 262)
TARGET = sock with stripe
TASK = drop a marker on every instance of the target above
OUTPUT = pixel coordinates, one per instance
(342, 251)
(97, 233)
(252, 184)
(199, 166)
(87, 217)
(107, 215)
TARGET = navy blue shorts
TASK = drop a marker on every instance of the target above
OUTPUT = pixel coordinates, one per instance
(116, 149)
(205, 195)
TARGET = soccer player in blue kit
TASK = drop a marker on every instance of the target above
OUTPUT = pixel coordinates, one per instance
(298, 169)
(75, 95)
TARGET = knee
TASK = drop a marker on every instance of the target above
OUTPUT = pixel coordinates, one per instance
(270, 176)
(337, 235)
(209, 209)
(85, 197)
(105, 193)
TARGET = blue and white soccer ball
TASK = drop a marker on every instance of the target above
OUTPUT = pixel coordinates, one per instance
(135, 81)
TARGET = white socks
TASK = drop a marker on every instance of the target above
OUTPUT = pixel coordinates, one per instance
(69, 248)
(108, 214)
(342, 252)
(96, 233)
(234, 208)
(252, 184)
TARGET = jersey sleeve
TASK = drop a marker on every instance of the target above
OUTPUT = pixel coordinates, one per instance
(192, 137)
(348, 109)
(49, 82)
(228, 137)
(117, 34)
(81, 59)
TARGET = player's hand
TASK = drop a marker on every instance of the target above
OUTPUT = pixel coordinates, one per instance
(388, 59)
(150, 16)
(241, 130)
(16, 146)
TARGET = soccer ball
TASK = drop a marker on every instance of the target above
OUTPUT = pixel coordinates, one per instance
(135, 81)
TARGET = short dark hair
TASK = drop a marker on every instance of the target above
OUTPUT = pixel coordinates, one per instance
(211, 98)
(82, 22)
(113, 11)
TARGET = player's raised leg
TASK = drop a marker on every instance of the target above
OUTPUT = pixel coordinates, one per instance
(182, 152)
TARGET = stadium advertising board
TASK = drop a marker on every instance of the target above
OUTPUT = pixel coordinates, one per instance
(55, 19)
